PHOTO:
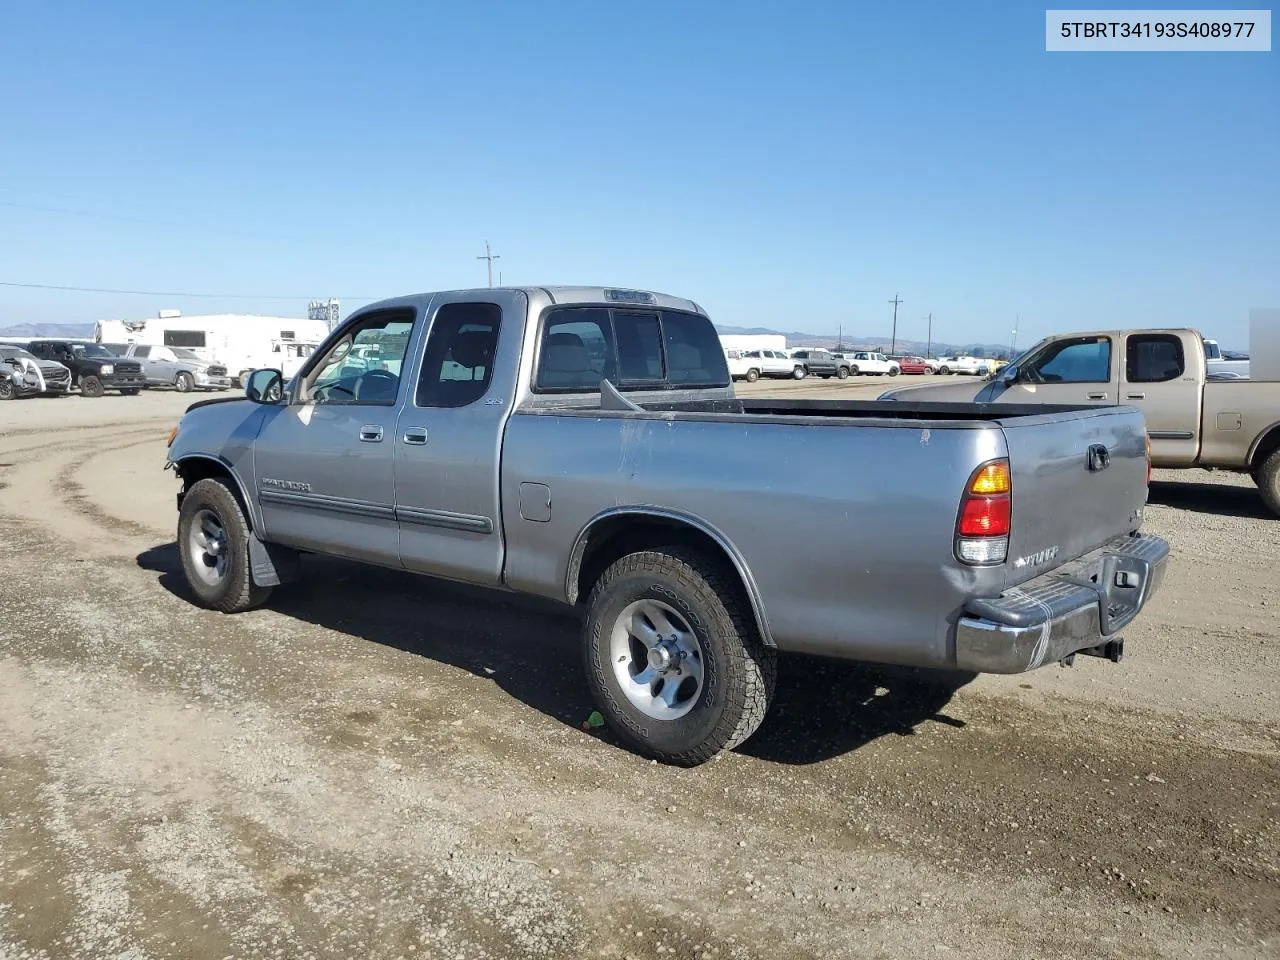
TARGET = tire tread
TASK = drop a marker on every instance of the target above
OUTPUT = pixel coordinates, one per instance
(752, 671)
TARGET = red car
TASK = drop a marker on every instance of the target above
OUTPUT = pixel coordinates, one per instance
(916, 365)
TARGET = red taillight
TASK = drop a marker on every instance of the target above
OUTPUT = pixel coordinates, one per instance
(985, 517)
(982, 528)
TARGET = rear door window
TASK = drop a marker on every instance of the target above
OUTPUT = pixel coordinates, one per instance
(1154, 358)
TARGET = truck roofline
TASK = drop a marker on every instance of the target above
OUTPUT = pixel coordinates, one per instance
(558, 294)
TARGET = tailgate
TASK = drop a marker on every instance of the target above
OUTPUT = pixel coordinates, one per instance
(1079, 479)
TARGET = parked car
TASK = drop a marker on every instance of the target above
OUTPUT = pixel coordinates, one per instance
(771, 363)
(973, 366)
(94, 369)
(870, 363)
(22, 374)
(821, 363)
(178, 368)
(595, 453)
(917, 365)
(1194, 418)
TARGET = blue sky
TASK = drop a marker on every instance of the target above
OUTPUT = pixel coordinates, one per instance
(791, 165)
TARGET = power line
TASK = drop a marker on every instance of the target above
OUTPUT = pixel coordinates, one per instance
(169, 293)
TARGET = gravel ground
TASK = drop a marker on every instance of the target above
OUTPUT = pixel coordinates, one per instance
(384, 766)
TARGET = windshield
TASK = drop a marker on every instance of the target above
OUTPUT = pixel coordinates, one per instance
(91, 350)
(11, 353)
(182, 354)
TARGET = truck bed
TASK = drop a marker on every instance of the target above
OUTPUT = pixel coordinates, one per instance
(843, 511)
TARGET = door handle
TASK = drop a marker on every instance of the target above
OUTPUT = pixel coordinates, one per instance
(415, 435)
(1136, 396)
(1097, 396)
(371, 433)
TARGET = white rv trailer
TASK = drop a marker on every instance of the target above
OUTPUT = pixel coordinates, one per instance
(240, 342)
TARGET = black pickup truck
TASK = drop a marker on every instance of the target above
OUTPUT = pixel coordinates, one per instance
(821, 363)
(93, 367)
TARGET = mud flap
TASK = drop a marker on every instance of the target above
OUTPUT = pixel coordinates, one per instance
(271, 565)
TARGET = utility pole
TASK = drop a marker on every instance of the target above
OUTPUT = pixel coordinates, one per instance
(895, 301)
(928, 350)
(490, 256)
(1013, 347)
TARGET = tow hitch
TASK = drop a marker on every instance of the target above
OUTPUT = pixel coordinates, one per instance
(1112, 650)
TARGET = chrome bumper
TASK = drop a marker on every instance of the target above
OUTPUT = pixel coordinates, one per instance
(1078, 608)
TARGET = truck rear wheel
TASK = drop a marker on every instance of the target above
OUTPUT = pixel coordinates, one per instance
(673, 657)
(213, 541)
(91, 387)
(1267, 477)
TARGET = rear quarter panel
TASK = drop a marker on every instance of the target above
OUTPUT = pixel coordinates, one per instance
(847, 529)
(1237, 413)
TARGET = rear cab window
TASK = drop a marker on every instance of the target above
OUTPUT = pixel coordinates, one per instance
(635, 349)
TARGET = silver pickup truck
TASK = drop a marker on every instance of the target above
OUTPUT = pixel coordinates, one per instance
(585, 444)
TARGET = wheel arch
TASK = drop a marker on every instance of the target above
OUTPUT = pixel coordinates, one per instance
(199, 466)
(1265, 444)
(615, 532)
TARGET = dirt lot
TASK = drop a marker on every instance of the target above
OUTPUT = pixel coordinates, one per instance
(381, 766)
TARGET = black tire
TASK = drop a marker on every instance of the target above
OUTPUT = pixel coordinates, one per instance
(7, 391)
(236, 592)
(753, 375)
(842, 372)
(130, 392)
(91, 386)
(1267, 476)
(739, 670)
(855, 371)
(799, 373)
(894, 371)
(184, 382)
(944, 370)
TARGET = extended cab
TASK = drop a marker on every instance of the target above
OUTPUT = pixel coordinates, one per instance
(585, 445)
(94, 369)
(1193, 419)
(178, 368)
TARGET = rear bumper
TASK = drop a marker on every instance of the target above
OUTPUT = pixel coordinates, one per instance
(1078, 608)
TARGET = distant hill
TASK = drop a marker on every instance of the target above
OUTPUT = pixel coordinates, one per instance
(850, 342)
(69, 330)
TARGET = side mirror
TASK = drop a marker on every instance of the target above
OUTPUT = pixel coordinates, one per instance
(264, 386)
(1008, 375)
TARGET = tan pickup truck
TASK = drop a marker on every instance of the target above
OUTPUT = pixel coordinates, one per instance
(1193, 418)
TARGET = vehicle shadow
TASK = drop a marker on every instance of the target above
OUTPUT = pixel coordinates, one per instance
(826, 708)
(530, 649)
(1225, 500)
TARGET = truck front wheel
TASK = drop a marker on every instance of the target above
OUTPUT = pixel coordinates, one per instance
(213, 540)
(673, 657)
(753, 375)
(1267, 477)
(184, 383)
(91, 387)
